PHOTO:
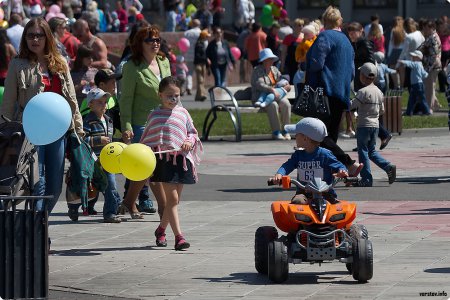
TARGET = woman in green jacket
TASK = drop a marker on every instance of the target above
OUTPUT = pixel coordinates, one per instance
(140, 81)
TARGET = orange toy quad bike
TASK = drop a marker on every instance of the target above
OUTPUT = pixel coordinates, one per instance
(316, 232)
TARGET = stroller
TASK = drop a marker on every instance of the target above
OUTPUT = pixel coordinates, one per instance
(18, 161)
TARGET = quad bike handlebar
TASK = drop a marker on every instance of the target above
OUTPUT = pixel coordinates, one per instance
(315, 185)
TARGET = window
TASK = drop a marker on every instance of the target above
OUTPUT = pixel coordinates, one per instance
(305, 4)
(375, 3)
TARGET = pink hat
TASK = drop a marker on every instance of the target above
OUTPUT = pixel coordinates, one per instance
(278, 3)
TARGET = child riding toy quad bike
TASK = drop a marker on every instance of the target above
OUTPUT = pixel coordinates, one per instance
(316, 232)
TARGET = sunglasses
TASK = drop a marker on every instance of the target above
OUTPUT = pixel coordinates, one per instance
(33, 36)
(152, 40)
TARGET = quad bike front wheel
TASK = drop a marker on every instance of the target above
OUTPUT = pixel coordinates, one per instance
(263, 236)
(362, 266)
(356, 231)
(278, 270)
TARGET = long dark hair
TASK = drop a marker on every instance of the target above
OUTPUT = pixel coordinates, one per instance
(82, 52)
(3, 49)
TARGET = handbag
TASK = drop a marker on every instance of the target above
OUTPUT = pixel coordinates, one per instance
(312, 103)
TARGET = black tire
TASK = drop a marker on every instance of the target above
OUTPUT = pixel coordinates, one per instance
(362, 260)
(356, 231)
(278, 270)
(263, 236)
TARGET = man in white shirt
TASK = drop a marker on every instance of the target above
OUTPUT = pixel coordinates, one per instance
(192, 35)
(15, 30)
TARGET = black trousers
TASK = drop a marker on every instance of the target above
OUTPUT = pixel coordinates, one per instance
(332, 124)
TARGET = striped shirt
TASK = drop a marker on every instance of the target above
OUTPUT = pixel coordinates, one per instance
(169, 129)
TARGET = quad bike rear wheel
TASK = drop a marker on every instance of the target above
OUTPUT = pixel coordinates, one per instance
(278, 270)
(356, 231)
(362, 260)
(263, 236)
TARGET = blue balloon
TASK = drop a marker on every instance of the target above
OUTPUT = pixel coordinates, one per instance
(46, 118)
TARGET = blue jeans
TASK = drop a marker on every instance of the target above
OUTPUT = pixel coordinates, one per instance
(268, 98)
(51, 172)
(366, 141)
(112, 198)
(143, 194)
(220, 75)
(417, 97)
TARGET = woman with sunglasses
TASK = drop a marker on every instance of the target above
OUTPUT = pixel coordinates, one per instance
(141, 76)
(38, 68)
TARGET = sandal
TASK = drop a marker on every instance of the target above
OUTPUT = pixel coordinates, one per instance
(134, 215)
(181, 243)
(160, 238)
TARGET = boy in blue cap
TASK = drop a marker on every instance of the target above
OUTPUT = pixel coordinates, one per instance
(310, 159)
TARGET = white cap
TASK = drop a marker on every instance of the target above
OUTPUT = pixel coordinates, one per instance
(313, 128)
(95, 94)
(417, 53)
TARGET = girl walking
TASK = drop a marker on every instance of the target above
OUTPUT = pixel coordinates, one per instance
(170, 130)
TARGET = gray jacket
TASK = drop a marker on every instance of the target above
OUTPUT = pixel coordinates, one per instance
(261, 81)
(24, 81)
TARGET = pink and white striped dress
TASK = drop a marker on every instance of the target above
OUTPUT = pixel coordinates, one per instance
(168, 129)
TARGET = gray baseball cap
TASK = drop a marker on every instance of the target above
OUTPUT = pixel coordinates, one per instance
(368, 69)
(313, 128)
(95, 94)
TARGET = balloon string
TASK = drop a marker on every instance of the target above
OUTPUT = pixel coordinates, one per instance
(170, 150)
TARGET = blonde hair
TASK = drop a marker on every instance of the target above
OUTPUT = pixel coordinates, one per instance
(375, 31)
(299, 22)
(332, 18)
(56, 62)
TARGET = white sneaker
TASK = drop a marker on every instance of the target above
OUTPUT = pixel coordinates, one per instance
(263, 104)
(278, 136)
(287, 136)
(351, 134)
(257, 104)
(344, 135)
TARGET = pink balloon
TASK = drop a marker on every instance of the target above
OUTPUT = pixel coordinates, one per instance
(235, 52)
(183, 44)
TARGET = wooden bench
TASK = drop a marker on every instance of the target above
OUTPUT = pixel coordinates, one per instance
(235, 104)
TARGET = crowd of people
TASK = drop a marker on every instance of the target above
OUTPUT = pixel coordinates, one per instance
(53, 47)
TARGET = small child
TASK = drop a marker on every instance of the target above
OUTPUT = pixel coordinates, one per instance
(416, 91)
(382, 69)
(309, 36)
(282, 87)
(311, 160)
(170, 127)
(369, 102)
(105, 79)
(115, 22)
(181, 71)
(99, 131)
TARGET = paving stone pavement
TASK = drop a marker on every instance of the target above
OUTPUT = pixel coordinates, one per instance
(408, 223)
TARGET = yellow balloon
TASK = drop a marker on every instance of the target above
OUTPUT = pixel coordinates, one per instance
(137, 162)
(109, 157)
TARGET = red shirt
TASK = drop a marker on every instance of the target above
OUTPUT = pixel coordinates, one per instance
(52, 85)
(289, 39)
(71, 43)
